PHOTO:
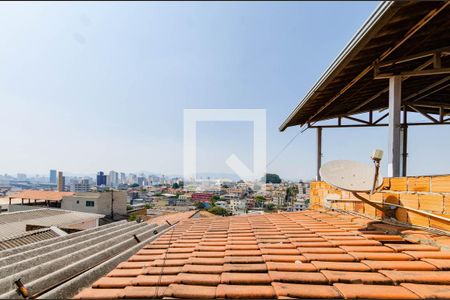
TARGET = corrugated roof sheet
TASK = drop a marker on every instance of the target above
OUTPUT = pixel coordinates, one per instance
(310, 254)
(14, 223)
(29, 237)
(61, 266)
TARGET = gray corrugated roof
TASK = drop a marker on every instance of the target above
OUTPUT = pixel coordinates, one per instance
(60, 267)
(30, 237)
(14, 223)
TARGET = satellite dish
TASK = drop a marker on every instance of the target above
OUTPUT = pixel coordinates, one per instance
(351, 175)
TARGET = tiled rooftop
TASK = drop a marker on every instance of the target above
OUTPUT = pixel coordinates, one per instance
(308, 254)
(172, 218)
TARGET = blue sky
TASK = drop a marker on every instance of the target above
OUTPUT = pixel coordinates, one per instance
(100, 86)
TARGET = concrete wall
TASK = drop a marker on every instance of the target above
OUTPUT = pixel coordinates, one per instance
(102, 203)
(425, 193)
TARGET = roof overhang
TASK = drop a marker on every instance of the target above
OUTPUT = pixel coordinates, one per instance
(399, 38)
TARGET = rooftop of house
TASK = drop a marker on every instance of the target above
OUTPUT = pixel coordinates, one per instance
(172, 218)
(310, 254)
(41, 195)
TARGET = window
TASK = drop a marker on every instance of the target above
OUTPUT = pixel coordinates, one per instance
(90, 203)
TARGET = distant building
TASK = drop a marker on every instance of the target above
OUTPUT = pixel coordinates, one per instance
(61, 182)
(52, 177)
(80, 187)
(238, 206)
(123, 178)
(113, 179)
(21, 176)
(201, 197)
(101, 178)
(99, 203)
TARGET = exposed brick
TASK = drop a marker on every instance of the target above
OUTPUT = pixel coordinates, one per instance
(440, 184)
(398, 184)
(409, 200)
(447, 204)
(418, 219)
(419, 184)
(432, 202)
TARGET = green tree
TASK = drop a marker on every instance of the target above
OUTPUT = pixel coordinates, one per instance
(134, 185)
(272, 178)
(217, 210)
(200, 205)
(260, 200)
(270, 206)
(175, 185)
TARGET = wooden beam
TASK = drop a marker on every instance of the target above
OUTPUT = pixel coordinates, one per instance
(424, 114)
(384, 55)
(427, 72)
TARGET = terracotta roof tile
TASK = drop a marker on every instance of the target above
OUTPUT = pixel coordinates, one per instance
(92, 293)
(190, 291)
(366, 291)
(441, 264)
(161, 270)
(430, 277)
(290, 267)
(355, 277)
(399, 265)
(380, 256)
(298, 277)
(328, 257)
(243, 259)
(412, 247)
(428, 254)
(428, 291)
(340, 266)
(367, 249)
(284, 258)
(113, 282)
(202, 269)
(328, 250)
(206, 261)
(355, 242)
(245, 278)
(244, 268)
(281, 255)
(197, 279)
(245, 291)
(153, 280)
(306, 291)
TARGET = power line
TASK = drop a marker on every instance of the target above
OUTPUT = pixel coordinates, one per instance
(284, 148)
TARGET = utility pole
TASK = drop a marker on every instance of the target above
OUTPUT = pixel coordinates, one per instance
(112, 205)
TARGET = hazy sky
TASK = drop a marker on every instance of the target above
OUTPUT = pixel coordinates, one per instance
(100, 86)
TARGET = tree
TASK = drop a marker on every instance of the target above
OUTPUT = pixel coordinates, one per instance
(260, 200)
(217, 210)
(200, 205)
(270, 206)
(272, 178)
(134, 185)
(175, 185)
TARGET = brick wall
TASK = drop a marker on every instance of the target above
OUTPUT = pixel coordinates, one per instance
(425, 193)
